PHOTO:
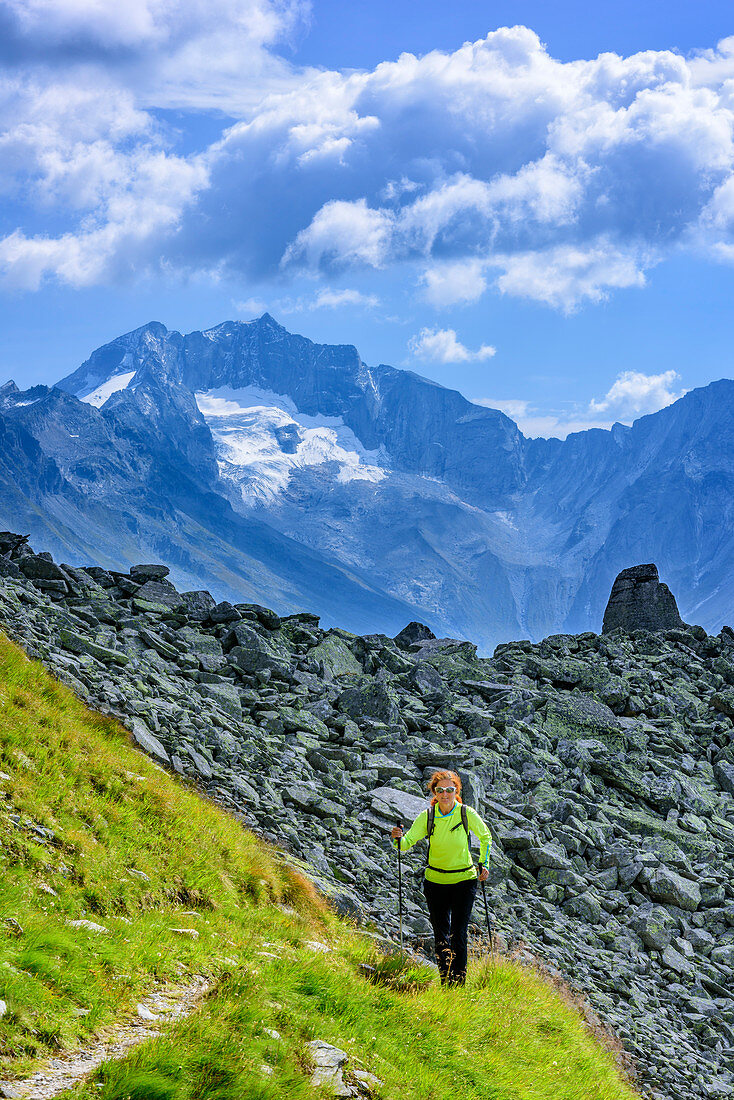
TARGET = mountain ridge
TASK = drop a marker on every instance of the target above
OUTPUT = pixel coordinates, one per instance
(437, 504)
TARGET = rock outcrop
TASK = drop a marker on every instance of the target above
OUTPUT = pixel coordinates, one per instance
(603, 764)
(640, 601)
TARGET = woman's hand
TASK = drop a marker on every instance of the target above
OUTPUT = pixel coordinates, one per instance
(483, 874)
(396, 832)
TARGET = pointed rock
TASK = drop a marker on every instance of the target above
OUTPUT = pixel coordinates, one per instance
(413, 634)
(640, 601)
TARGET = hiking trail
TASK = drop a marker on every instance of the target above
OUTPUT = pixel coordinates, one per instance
(151, 1017)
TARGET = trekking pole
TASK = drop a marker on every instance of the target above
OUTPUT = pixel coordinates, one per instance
(489, 925)
(399, 825)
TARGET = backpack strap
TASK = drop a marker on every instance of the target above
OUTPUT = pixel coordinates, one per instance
(431, 817)
(465, 823)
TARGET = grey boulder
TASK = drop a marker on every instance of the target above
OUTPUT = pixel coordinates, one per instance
(396, 805)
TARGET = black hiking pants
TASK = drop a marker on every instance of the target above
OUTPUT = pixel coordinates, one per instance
(449, 908)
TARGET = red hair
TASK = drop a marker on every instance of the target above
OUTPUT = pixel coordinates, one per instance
(435, 779)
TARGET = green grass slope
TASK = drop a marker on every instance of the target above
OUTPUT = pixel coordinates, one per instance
(92, 830)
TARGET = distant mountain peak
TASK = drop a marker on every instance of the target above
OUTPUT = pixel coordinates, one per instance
(155, 329)
(266, 320)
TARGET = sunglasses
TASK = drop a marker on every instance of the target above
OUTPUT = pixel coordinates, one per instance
(444, 790)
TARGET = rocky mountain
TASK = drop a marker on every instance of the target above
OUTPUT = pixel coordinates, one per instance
(603, 763)
(257, 461)
(141, 474)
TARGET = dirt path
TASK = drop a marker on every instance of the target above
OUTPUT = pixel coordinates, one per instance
(167, 1005)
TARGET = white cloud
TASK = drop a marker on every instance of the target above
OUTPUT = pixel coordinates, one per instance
(512, 407)
(139, 22)
(565, 276)
(458, 281)
(572, 179)
(251, 307)
(95, 20)
(548, 191)
(494, 164)
(343, 233)
(177, 53)
(718, 214)
(443, 346)
(555, 426)
(532, 422)
(151, 202)
(635, 394)
(327, 298)
(83, 152)
(334, 299)
(65, 140)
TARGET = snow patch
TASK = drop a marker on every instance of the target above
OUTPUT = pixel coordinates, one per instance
(261, 438)
(113, 385)
(506, 518)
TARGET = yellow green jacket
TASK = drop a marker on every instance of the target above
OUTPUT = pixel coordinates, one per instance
(449, 845)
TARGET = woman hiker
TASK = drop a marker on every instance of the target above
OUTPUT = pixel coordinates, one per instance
(450, 883)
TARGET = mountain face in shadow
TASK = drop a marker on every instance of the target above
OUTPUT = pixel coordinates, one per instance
(271, 468)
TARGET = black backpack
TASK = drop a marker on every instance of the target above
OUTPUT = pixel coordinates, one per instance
(429, 833)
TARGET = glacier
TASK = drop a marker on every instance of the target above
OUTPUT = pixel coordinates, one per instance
(262, 437)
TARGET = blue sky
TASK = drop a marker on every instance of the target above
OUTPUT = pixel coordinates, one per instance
(530, 202)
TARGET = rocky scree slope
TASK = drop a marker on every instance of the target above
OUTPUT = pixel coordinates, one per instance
(265, 466)
(604, 765)
(294, 998)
